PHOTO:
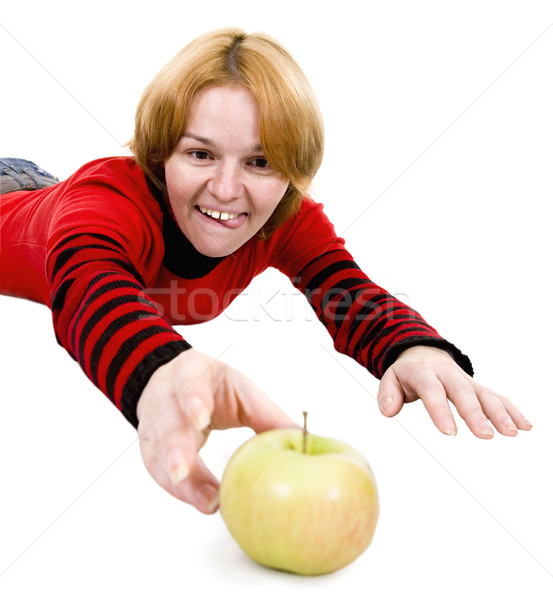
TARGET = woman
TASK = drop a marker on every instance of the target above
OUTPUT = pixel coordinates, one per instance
(228, 138)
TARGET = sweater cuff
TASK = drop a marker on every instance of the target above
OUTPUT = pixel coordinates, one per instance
(142, 373)
(461, 359)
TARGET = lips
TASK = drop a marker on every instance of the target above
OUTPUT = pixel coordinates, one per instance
(228, 219)
(216, 214)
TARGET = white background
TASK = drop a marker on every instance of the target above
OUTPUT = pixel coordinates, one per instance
(437, 173)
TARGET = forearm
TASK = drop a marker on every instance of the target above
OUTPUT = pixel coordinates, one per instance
(364, 320)
(105, 320)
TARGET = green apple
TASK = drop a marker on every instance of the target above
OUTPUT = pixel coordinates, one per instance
(300, 503)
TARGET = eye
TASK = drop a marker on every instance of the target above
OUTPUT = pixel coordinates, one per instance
(199, 154)
(260, 162)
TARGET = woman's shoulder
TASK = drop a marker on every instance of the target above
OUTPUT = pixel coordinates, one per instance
(109, 196)
(302, 237)
(309, 223)
(115, 170)
(114, 181)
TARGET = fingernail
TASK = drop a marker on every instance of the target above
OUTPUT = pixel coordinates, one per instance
(527, 423)
(485, 430)
(201, 420)
(450, 431)
(180, 472)
(385, 405)
(208, 495)
(199, 416)
(510, 426)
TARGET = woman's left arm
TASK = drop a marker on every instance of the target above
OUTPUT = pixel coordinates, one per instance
(389, 338)
(431, 374)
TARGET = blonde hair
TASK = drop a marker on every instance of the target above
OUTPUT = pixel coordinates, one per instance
(290, 121)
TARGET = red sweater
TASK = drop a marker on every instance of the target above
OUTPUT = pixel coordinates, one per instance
(102, 250)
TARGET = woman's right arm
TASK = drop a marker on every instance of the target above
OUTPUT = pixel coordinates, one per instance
(173, 394)
(104, 318)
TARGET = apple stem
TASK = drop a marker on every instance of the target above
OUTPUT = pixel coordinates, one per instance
(304, 431)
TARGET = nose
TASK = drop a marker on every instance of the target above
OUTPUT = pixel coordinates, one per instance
(226, 183)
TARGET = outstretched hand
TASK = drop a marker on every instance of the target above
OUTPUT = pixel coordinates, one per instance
(182, 402)
(194, 393)
(433, 376)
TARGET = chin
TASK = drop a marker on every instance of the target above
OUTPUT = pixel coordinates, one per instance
(215, 250)
(215, 254)
(218, 246)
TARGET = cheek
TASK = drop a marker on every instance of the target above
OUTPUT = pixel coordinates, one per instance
(180, 186)
(273, 193)
(171, 179)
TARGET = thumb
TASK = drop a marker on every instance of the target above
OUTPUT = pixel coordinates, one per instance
(390, 395)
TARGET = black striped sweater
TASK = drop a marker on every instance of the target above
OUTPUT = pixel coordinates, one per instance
(104, 253)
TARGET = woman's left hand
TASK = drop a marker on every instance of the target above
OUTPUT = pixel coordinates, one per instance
(433, 376)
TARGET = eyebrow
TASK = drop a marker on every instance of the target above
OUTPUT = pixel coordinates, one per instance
(213, 144)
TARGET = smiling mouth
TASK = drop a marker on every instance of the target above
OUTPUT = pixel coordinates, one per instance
(219, 215)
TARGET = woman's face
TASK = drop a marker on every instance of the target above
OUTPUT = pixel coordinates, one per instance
(221, 188)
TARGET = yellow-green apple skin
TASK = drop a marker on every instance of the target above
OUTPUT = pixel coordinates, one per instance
(308, 513)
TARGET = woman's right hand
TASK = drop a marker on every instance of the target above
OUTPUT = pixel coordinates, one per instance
(183, 401)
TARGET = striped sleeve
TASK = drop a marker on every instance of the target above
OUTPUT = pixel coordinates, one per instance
(105, 320)
(364, 320)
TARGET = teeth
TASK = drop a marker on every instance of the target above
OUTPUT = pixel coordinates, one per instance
(215, 214)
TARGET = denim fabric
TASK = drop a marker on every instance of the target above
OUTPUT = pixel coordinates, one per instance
(19, 174)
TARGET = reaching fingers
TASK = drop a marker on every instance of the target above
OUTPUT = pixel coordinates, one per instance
(425, 373)
(435, 400)
(180, 405)
(516, 415)
(199, 488)
(395, 389)
(481, 408)
(170, 441)
(197, 409)
(390, 394)
(463, 394)
(495, 409)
